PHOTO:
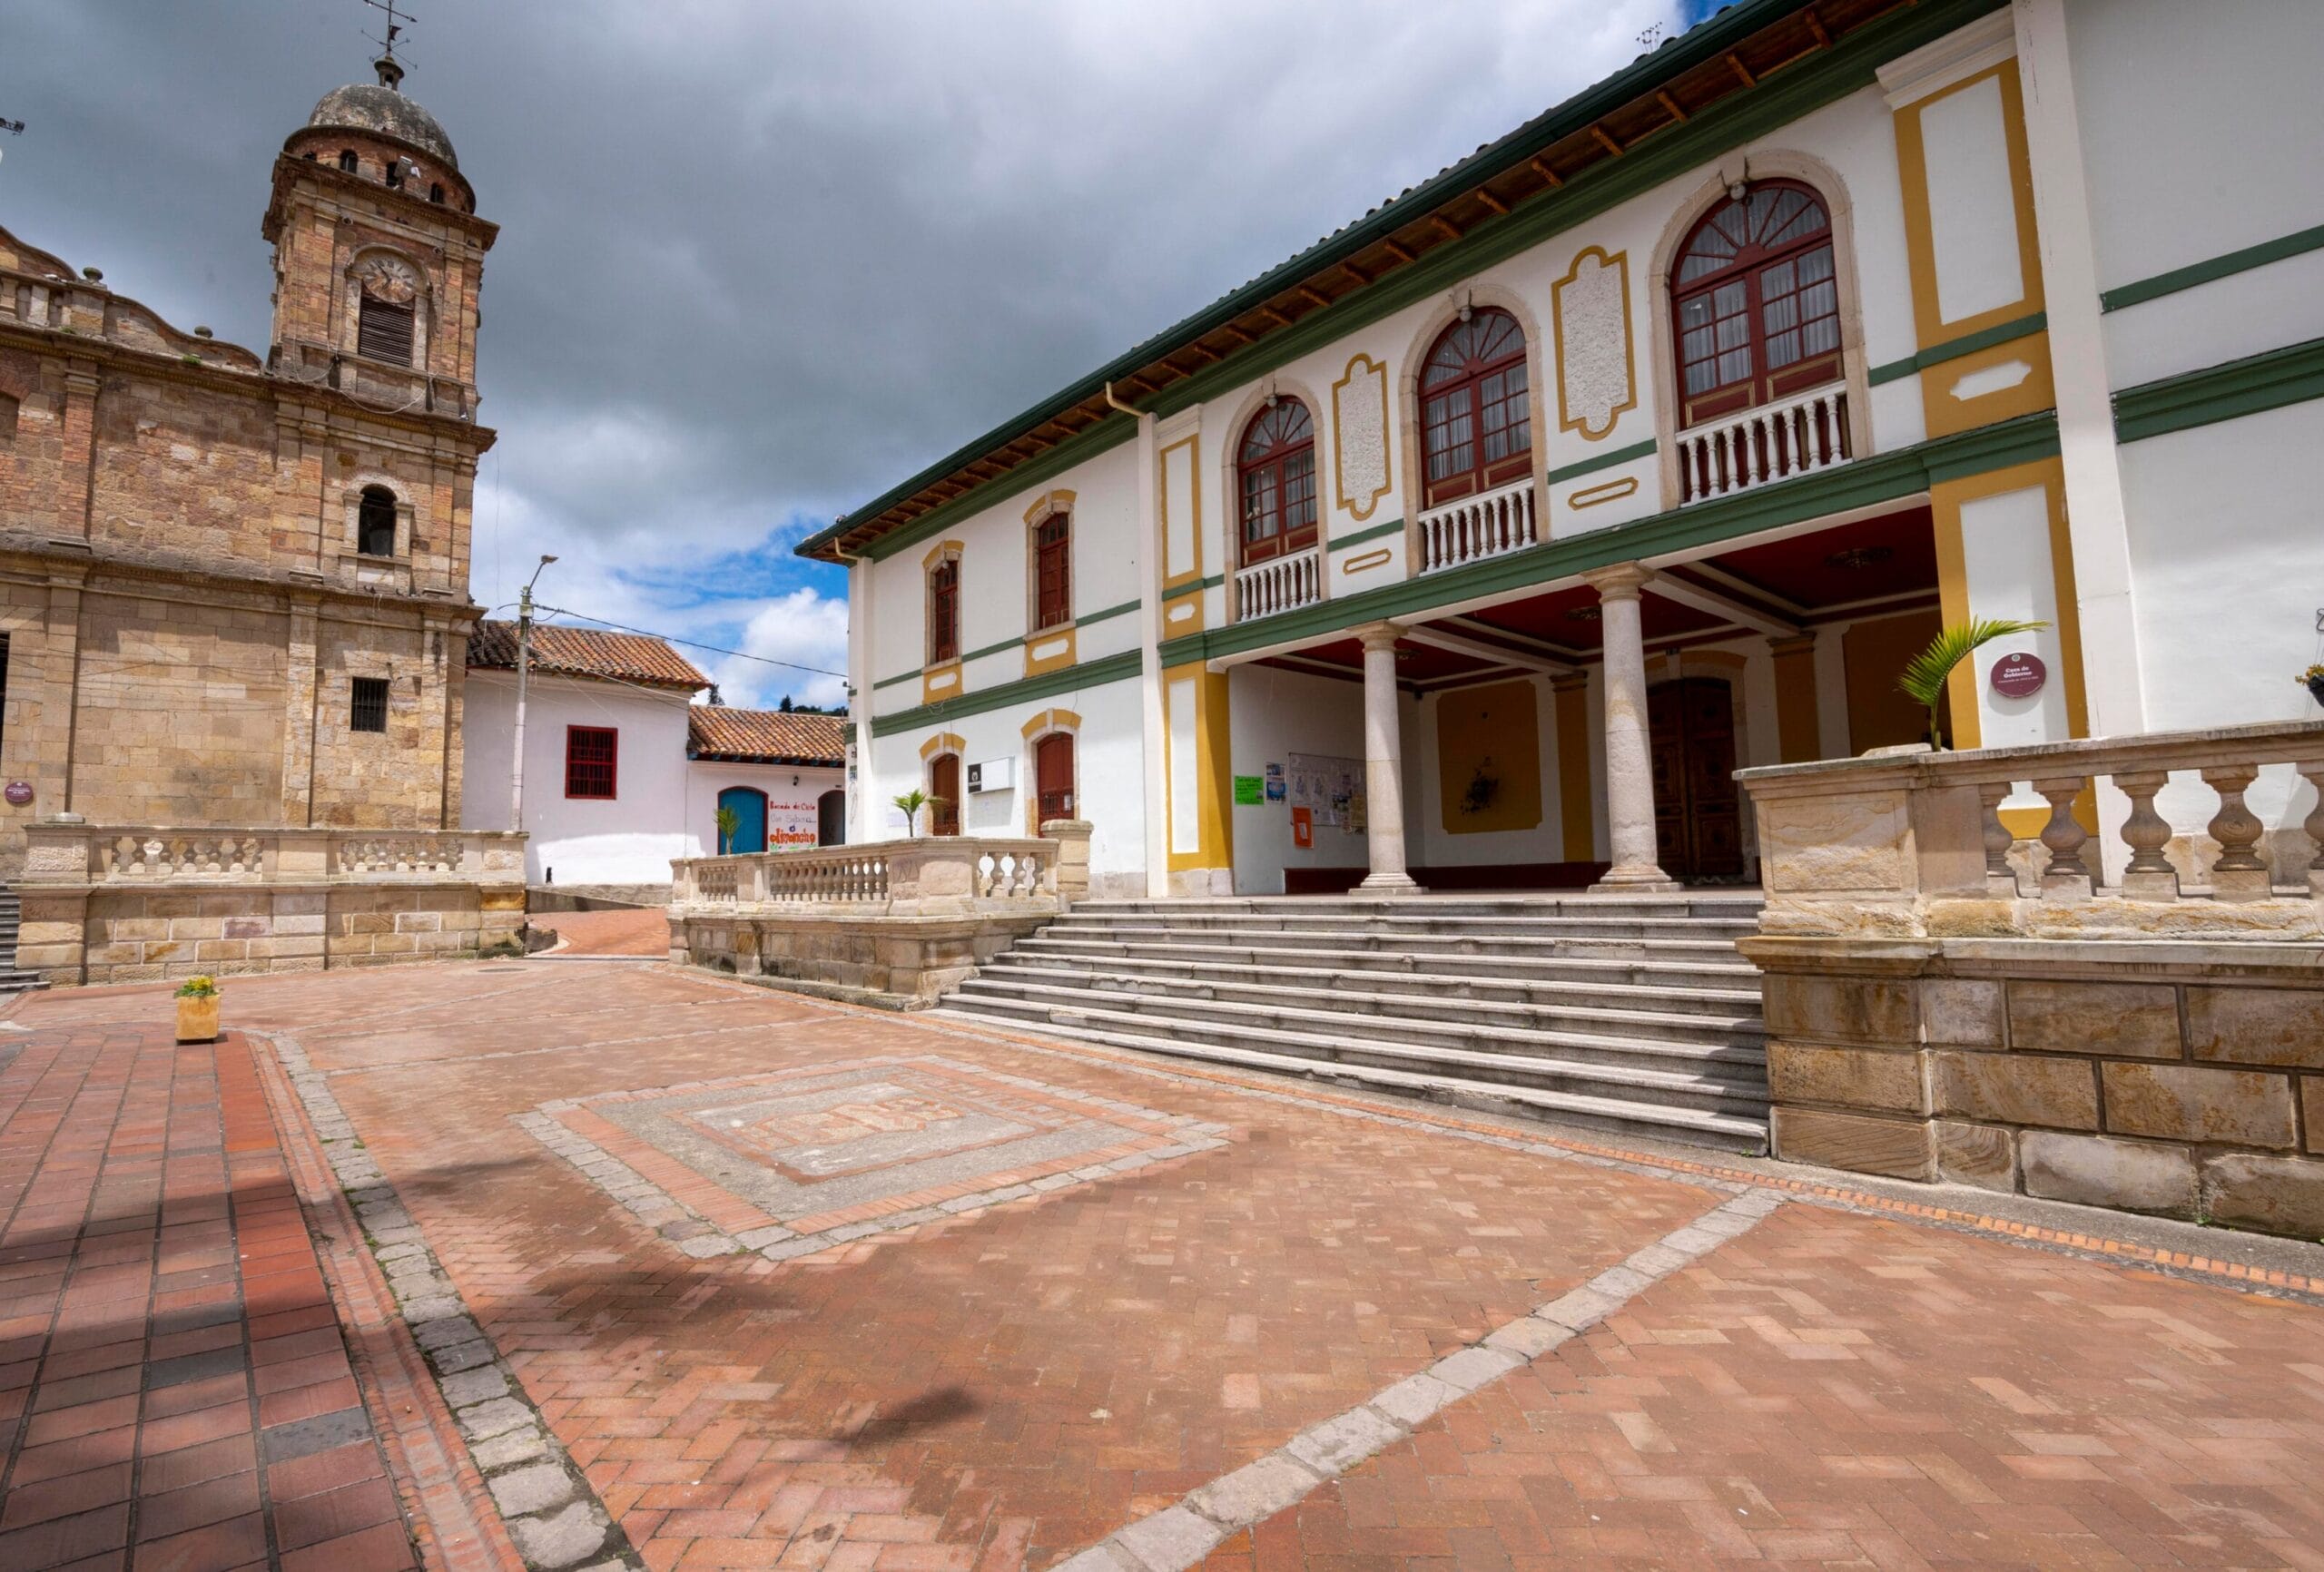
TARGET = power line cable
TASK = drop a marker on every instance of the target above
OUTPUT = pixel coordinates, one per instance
(695, 643)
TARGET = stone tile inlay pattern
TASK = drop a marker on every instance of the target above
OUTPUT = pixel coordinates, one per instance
(797, 1161)
(176, 1390)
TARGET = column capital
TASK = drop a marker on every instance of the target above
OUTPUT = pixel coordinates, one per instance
(1379, 635)
(1619, 581)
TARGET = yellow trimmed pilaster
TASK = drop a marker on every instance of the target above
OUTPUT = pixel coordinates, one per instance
(1197, 790)
(1799, 736)
(1577, 825)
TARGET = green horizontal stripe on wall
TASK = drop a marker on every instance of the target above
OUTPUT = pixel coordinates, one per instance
(2257, 383)
(1047, 686)
(2219, 267)
(1861, 483)
(1968, 344)
(910, 676)
(1121, 610)
(1002, 648)
(1007, 644)
(1377, 532)
(1591, 465)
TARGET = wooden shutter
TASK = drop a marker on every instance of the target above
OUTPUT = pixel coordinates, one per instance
(943, 613)
(1053, 568)
(591, 754)
(383, 330)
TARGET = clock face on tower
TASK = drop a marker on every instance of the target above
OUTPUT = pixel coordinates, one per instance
(389, 279)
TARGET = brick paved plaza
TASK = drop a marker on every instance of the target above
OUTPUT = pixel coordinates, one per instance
(605, 1265)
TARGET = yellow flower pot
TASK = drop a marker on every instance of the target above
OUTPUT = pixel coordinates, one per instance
(198, 1019)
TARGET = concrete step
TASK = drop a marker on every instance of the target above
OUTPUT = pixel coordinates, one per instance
(1441, 1008)
(1270, 969)
(1619, 1116)
(1401, 925)
(1631, 1072)
(1671, 949)
(1690, 903)
(1590, 967)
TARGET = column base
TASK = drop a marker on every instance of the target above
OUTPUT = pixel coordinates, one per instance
(1635, 878)
(1390, 884)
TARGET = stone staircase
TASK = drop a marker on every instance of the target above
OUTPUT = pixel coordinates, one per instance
(1632, 1015)
(12, 980)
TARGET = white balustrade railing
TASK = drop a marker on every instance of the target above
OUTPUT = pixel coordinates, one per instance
(1490, 523)
(1796, 436)
(934, 875)
(1901, 843)
(1282, 585)
(74, 853)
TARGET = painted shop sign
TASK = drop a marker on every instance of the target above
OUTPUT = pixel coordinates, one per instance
(2017, 675)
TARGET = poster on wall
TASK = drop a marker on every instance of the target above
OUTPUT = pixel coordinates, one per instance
(1326, 786)
(791, 822)
(1247, 791)
(1303, 829)
(1275, 783)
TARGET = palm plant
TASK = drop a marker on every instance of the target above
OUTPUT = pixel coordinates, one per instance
(729, 822)
(911, 803)
(1924, 678)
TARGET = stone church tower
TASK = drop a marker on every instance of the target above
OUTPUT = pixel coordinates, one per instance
(233, 587)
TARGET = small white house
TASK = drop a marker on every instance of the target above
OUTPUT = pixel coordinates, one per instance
(624, 770)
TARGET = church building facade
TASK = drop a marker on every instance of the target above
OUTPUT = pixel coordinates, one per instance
(1477, 545)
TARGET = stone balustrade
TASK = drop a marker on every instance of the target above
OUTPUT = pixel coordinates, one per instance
(893, 922)
(1918, 844)
(1946, 1000)
(1491, 524)
(132, 903)
(1282, 584)
(1769, 442)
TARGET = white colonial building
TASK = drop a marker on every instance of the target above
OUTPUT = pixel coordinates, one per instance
(1479, 543)
(625, 772)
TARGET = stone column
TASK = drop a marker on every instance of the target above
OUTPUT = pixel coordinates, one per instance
(1630, 767)
(1384, 761)
(299, 700)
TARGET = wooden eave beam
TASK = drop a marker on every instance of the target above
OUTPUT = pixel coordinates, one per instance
(1404, 254)
(1815, 25)
(1606, 141)
(1358, 274)
(1452, 231)
(1662, 96)
(1239, 331)
(1490, 201)
(1311, 292)
(1275, 315)
(1741, 70)
(1540, 166)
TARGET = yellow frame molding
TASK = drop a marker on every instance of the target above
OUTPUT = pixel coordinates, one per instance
(1214, 825)
(1920, 248)
(1946, 498)
(1611, 491)
(1035, 665)
(944, 682)
(1174, 625)
(943, 742)
(1618, 262)
(1192, 441)
(1378, 372)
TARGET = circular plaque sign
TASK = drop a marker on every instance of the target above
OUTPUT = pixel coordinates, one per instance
(18, 792)
(2018, 675)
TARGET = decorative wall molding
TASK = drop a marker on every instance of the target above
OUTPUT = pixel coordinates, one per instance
(1359, 436)
(1596, 352)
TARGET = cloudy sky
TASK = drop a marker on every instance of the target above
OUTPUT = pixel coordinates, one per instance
(760, 260)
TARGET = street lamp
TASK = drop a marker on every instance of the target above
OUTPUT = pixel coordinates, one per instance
(524, 666)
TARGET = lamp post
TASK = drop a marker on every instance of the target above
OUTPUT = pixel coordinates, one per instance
(524, 667)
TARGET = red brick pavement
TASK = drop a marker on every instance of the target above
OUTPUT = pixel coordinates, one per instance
(174, 1390)
(587, 933)
(997, 1390)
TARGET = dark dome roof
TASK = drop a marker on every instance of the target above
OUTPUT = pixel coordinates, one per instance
(370, 106)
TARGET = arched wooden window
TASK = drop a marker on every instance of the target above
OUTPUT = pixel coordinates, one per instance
(375, 522)
(1757, 305)
(1276, 468)
(1476, 412)
(944, 611)
(1053, 778)
(1053, 570)
(944, 792)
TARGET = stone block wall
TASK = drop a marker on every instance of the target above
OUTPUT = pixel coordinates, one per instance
(2182, 1079)
(158, 936)
(906, 961)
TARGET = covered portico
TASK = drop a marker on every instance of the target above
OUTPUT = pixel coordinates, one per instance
(1582, 734)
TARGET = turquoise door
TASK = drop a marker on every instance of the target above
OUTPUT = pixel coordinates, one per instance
(749, 804)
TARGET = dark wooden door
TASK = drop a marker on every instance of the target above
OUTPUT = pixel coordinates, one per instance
(1698, 815)
(944, 786)
(831, 818)
(1053, 776)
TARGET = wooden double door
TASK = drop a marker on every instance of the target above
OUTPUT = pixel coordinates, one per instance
(1698, 813)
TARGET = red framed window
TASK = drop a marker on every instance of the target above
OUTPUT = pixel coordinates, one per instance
(944, 611)
(1476, 413)
(1755, 303)
(1053, 570)
(592, 756)
(1277, 471)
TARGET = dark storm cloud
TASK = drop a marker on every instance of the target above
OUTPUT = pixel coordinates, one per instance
(759, 261)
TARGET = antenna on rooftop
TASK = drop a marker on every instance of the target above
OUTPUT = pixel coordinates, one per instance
(390, 69)
(1647, 41)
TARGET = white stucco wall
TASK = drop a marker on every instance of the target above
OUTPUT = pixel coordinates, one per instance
(793, 795)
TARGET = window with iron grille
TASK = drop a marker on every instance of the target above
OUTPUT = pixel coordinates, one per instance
(375, 522)
(1476, 411)
(590, 755)
(1053, 570)
(944, 611)
(367, 704)
(383, 330)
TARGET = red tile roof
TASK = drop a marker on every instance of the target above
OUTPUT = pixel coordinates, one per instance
(568, 652)
(765, 736)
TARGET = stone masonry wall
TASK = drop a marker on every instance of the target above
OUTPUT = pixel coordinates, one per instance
(2185, 1080)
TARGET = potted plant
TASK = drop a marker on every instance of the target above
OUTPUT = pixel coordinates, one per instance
(728, 822)
(198, 1010)
(2313, 679)
(911, 803)
(1924, 681)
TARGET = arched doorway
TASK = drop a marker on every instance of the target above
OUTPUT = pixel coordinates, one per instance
(749, 804)
(1053, 778)
(945, 787)
(831, 818)
(1698, 816)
